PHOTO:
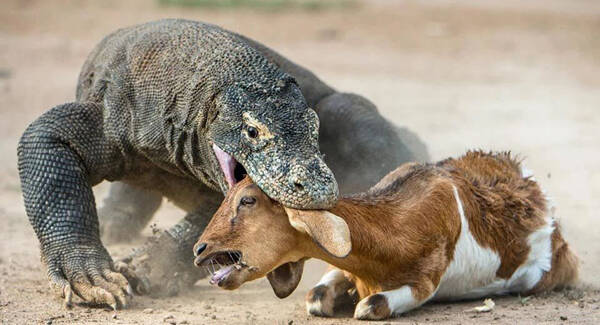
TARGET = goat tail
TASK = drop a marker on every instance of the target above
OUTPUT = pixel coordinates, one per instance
(565, 266)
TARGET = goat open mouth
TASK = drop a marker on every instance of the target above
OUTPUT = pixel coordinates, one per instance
(222, 264)
(232, 170)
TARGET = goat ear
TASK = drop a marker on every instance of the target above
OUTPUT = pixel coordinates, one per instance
(328, 230)
(285, 278)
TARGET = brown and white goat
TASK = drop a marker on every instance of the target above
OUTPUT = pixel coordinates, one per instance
(459, 229)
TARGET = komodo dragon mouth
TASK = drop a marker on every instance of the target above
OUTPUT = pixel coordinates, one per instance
(233, 171)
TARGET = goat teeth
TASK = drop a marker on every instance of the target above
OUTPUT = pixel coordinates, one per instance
(237, 267)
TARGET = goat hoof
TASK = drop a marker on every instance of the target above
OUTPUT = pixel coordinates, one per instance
(320, 301)
(373, 307)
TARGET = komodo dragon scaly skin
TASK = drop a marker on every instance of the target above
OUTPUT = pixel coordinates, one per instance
(163, 101)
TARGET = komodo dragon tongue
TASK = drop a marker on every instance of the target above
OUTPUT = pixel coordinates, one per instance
(227, 164)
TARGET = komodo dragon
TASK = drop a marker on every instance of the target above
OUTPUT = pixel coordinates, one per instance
(182, 109)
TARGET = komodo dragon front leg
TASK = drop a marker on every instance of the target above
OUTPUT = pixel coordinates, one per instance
(56, 155)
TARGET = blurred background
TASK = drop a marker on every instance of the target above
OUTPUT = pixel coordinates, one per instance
(501, 75)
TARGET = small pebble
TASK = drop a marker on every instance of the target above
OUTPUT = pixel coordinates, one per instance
(114, 316)
(214, 317)
(148, 311)
(563, 318)
(184, 322)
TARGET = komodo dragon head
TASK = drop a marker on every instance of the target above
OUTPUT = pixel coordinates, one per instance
(271, 134)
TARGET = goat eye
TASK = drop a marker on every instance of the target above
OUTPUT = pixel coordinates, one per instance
(247, 201)
(252, 132)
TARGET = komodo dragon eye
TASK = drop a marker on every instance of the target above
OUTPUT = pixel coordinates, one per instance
(252, 132)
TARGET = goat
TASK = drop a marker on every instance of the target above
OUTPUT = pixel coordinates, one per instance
(462, 228)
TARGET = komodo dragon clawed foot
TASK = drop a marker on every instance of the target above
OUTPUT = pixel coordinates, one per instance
(93, 277)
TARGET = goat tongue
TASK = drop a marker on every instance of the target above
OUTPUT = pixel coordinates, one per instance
(221, 274)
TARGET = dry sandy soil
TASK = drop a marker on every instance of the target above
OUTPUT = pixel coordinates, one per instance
(516, 76)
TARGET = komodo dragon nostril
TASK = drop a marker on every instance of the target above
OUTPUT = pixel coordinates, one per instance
(200, 248)
(299, 187)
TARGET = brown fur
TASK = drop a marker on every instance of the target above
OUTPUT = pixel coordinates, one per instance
(499, 204)
(564, 270)
(389, 244)
(404, 229)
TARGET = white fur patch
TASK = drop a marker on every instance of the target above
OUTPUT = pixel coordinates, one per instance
(539, 259)
(401, 300)
(331, 278)
(362, 309)
(314, 307)
(472, 272)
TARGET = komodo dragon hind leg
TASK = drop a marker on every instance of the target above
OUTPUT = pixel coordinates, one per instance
(166, 261)
(126, 211)
(361, 146)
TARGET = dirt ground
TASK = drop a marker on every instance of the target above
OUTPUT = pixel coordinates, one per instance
(510, 74)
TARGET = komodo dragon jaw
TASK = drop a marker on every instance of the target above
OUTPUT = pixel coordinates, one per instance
(272, 136)
(309, 184)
